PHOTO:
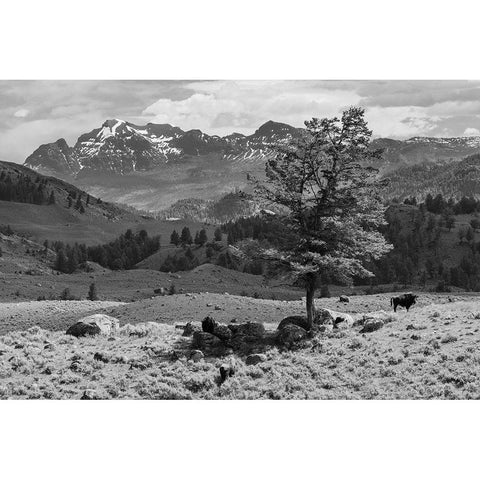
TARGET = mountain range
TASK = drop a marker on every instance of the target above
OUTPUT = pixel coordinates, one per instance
(155, 165)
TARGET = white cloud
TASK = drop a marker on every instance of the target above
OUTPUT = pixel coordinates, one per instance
(22, 113)
(226, 106)
(470, 132)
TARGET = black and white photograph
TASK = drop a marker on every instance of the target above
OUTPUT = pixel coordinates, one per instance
(240, 239)
(248, 234)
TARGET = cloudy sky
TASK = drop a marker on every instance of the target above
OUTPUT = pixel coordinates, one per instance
(36, 112)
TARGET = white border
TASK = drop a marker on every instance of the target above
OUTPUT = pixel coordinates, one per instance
(255, 39)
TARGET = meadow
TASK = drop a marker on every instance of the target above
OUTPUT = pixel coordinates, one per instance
(430, 352)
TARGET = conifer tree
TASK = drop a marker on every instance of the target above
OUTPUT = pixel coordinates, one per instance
(92, 292)
(175, 238)
(331, 201)
(186, 237)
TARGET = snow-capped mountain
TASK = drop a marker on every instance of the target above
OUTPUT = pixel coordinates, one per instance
(121, 147)
(153, 166)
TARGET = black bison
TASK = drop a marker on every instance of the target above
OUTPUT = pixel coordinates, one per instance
(406, 300)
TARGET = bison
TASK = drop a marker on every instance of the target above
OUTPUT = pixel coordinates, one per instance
(406, 300)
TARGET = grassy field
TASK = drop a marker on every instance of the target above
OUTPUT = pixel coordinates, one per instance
(429, 353)
(43, 222)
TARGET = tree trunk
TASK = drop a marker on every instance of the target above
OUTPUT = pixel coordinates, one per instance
(311, 287)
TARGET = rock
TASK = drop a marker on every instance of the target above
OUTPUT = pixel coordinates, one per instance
(448, 338)
(226, 371)
(89, 395)
(100, 357)
(108, 325)
(294, 320)
(160, 291)
(344, 299)
(208, 324)
(255, 358)
(371, 325)
(290, 334)
(81, 329)
(325, 316)
(325, 329)
(208, 343)
(248, 337)
(250, 329)
(218, 307)
(75, 366)
(196, 355)
(190, 328)
(222, 332)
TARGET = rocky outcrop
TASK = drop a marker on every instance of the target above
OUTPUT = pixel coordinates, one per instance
(325, 316)
(290, 335)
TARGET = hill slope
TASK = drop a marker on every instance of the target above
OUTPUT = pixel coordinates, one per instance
(100, 221)
(424, 354)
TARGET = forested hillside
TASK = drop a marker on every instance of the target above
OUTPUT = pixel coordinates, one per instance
(448, 178)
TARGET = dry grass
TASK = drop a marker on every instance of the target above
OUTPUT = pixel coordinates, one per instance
(429, 353)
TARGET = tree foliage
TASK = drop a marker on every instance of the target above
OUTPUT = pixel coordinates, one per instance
(329, 197)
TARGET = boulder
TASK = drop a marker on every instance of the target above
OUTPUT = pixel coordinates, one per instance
(208, 343)
(344, 299)
(325, 316)
(290, 334)
(250, 329)
(107, 325)
(89, 395)
(294, 320)
(208, 324)
(222, 332)
(255, 358)
(248, 337)
(190, 328)
(160, 291)
(81, 329)
(196, 355)
(371, 325)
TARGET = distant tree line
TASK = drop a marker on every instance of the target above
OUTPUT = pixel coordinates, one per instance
(23, 189)
(440, 206)
(185, 238)
(121, 254)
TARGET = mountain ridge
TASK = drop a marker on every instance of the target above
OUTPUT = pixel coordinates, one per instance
(153, 166)
(122, 147)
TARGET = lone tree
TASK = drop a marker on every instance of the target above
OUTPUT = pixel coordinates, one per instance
(92, 292)
(328, 193)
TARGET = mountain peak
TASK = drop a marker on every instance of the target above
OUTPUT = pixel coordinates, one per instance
(62, 143)
(112, 122)
(271, 127)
